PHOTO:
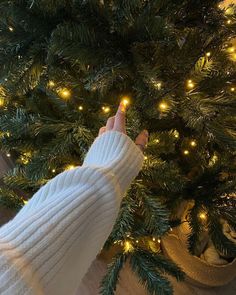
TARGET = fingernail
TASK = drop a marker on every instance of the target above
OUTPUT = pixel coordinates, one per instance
(145, 132)
(122, 107)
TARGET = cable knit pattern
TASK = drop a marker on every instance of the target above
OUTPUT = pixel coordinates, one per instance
(49, 245)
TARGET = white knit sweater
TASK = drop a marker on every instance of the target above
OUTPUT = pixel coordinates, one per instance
(49, 245)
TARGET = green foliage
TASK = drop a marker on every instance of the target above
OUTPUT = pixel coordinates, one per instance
(100, 51)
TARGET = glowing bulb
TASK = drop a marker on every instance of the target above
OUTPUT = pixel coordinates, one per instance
(193, 143)
(25, 202)
(51, 83)
(136, 241)
(163, 106)
(157, 85)
(186, 152)
(171, 229)
(65, 93)
(8, 155)
(176, 134)
(231, 49)
(145, 157)
(1, 102)
(80, 108)
(70, 167)
(153, 239)
(11, 29)
(228, 21)
(202, 216)
(53, 170)
(159, 241)
(208, 54)
(128, 246)
(157, 140)
(125, 100)
(190, 84)
(232, 89)
(106, 109)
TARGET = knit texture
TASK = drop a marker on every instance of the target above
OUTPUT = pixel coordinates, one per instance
(49, 245)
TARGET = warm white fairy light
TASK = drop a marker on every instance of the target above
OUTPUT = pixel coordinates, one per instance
(69, 167)
(202, 216)
(208, 54)
(51, 83)
(159, 241)
(106, 109)
(25, 202)
(53, 170)
(145, 157)
(186, 152)
(190, 84)
(80, 108)
(157, 140)
(154, 239)
(232, 89)
(65, 93)
(137, 241)
(229, 22)
(193, 143)
(8, 155)
(163, 106)
(128, 246)
(11, 28)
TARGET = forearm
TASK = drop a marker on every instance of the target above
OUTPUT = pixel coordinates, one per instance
(80, 217)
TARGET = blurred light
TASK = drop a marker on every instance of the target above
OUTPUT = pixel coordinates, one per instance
(53, 170)
(228, 22)
(163, 106)
(208, 54)
(193, 143)
(106, 109)
(51, 83)
(190, 84)
(232, 89)
(25, 202)
(80, 108)
(157, 140)
(145, 157)
(128, 246)
(159, 241)
(69, 167)
(231, 49)
(65, 93)
(202, 216)
(186, 152)
(11, 29)
(153, 239)
(137, 241)
(1, 102)
(8, 155)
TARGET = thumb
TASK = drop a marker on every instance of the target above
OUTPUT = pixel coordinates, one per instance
(142, 140)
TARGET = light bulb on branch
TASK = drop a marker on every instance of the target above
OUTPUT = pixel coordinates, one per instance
(193, 143)
(11, 29)
(51, 83)
(69, 167)
(80, 108)
(106, 109)
(190, 84)
(128, 246)
(64, 93)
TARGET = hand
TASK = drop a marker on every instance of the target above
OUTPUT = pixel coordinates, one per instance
(117, 123)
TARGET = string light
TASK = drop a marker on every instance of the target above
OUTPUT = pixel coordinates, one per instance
(231, 49)
(137, 241)
(65, 93)
(171, 229)
(11, 29)
(70, 167)
(232, 89)
(176, 134)
(190, 84)
(8, 155)
(80, 108)
(228, 22)
(53, 170)
(193, 143)
(106, 109)
(154, 239)
(163, 106)
(128, 246)
(125, 100)
(159, 241)
(157, 140)
(51, 83)
(157, 85)
(208, 54)
(145, 157)
(202, 216)
(25, 202)
(186, 152)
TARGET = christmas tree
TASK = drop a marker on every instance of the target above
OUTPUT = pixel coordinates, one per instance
(66, 65)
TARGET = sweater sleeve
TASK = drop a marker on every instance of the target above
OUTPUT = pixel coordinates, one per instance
(49, 245)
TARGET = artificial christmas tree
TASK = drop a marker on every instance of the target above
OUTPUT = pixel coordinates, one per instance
(65, 67)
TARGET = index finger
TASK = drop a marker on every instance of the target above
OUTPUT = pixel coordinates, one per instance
(119, 124)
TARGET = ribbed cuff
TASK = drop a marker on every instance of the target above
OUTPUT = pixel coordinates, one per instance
(116, 151)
